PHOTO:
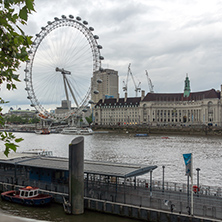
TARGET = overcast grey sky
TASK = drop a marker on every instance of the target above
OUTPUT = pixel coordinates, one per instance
(168, 38)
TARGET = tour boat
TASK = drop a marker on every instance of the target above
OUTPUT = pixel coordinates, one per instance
(141, 135)
(40, 152)
(27, 196)
(77, 131)
(42, 131)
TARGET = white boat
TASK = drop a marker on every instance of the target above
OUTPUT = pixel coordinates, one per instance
(42, 131)
(40, 152)
(69, 130)
(86, 131)
(77, 131)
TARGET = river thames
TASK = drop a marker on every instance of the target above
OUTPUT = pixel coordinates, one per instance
(152, 150)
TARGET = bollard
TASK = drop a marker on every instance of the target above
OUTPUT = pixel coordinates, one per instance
(76, 175)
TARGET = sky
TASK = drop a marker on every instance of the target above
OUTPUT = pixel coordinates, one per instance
(168, 38)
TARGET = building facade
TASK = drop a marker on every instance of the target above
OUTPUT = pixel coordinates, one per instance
(119, 111)
(156, 109)
(105, 83)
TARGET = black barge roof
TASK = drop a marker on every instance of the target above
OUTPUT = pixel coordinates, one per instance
(90, 167)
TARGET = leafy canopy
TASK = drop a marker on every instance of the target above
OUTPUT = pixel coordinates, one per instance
(13, 51)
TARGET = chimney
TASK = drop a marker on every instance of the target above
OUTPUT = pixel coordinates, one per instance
(221, 91)
(125, 97)
(142, 94)
(117, 99)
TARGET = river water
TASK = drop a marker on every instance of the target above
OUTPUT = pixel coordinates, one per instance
(152, 150)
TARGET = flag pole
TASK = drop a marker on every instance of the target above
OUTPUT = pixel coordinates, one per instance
(191, 184)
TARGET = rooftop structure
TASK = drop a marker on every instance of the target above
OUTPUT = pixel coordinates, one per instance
(90, 167)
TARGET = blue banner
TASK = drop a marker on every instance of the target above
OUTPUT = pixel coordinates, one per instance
(187, 159)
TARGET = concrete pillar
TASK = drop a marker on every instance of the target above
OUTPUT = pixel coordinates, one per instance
(76, 175)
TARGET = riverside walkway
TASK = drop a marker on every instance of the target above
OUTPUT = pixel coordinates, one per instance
(111, 186)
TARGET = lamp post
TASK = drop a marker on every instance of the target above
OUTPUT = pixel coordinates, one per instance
(163, 179)
(198, 171)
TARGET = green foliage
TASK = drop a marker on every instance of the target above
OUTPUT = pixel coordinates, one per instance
(89, 119)
(13, 50)
(9, 140)
(13, 41)
(15, 119)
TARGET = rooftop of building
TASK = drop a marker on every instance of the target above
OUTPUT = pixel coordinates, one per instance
(162, 97)
(194, 96)
(90, 167)
(121, 101)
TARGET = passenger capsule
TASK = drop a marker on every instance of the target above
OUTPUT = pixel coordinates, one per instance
(49, 23)
(71, 16)
(99, 47)
(27, 88)
(29, 97)
(84, 110)
(85, 22)
(91, 102)
(96, 37)
(96, 92)
(38, 35)
(56, 19)
(26, 70)
(99, 80)
(26, 79)
(101, 57)
(43, 28)
(63, 16)
(91, 28)
(32, 105)
(78, 18)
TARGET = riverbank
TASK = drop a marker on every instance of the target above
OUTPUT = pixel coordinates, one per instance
(198, 130)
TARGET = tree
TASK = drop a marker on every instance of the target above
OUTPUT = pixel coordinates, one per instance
(89, 119)
(13, 51)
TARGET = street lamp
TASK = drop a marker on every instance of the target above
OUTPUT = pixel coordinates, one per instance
(198, 171)
(163, 179)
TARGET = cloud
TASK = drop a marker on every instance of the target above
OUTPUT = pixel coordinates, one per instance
(167, 38)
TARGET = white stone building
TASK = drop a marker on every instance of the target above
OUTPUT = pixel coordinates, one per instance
(187, 108)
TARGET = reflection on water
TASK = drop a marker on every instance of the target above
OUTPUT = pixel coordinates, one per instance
(152, 150)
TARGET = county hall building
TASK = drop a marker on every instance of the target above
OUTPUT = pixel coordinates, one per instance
(187, 108)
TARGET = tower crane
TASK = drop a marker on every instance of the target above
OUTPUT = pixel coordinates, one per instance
(137, 88)
(150, 85)
(125, 83)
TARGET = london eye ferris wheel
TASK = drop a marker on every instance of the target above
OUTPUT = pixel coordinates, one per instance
(63, 57)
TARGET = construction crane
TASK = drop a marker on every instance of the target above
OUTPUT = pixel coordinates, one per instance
(129, 73)
(150, 85)
(125, 83)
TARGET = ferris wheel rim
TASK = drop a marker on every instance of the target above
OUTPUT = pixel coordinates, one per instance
(96, 61)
